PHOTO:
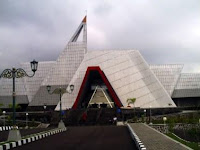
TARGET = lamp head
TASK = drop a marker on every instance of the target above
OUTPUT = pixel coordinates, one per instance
(164, 118)
(45, 106)
(48, 88)
(71, 87)
(34, 65)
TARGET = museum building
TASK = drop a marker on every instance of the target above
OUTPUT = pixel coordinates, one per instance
(103, 78)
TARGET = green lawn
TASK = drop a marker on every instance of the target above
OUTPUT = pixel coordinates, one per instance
(192, 145)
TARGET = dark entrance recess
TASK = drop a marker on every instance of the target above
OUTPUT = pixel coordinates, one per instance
(94, 77)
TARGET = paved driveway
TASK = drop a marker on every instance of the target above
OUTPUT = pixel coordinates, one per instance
(86, 138)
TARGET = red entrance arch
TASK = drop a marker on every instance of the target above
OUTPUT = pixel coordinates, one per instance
(105, 80)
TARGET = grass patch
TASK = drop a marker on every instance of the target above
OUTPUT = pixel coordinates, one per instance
(1, 143)
(192, 145)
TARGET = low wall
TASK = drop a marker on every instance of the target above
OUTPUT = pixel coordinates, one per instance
(179, 126)
(160, 127)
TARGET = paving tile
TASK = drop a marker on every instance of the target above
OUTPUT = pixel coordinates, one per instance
(154, 140)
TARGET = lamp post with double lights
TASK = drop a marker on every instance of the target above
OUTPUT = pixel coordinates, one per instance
(61, 91)
(12, 74)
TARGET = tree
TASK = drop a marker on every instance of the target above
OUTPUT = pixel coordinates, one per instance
(0, 108)
(131, 101)
(17, 106)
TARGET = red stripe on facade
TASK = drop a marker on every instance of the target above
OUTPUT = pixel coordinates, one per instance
(107, 83)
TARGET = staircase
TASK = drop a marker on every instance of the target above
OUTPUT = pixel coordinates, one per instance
(95, 116)
(92, 114)
(106, 116)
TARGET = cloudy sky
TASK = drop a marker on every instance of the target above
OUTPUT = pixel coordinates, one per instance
(165, 31)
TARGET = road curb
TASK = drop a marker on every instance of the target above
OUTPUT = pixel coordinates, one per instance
(33, 138)
(136, 139)
(6, 128)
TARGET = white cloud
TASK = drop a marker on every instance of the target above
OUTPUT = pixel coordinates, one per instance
(96, 36)
(164, 31)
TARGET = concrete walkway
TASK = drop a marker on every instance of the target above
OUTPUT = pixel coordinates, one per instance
(154, 140)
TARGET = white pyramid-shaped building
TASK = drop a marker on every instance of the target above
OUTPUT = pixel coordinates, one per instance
(129, 76)
(118, 74)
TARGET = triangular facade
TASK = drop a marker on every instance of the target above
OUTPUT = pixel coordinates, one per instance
(168, 75)
(95, 77)
(64, 68)
(100, 97)
(128, 74)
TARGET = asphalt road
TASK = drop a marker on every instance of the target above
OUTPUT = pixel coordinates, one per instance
(86, 138)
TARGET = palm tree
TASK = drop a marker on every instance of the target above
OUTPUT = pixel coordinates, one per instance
(131, 101)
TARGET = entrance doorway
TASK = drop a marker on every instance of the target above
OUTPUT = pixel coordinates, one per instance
(96, 91)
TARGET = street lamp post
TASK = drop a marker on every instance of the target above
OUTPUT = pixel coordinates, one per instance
(26, 120)
(150, 115)
(165, 119)
(145, 115)
(45, 107)
(60, 91)
(12, 74)
(4, 120)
